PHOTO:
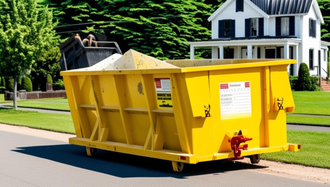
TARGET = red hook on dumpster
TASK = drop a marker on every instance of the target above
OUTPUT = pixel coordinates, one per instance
(236, 147)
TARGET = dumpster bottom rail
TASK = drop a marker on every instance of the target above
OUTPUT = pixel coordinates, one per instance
(172, 155)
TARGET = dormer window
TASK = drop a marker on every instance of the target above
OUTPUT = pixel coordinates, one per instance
(239, 5)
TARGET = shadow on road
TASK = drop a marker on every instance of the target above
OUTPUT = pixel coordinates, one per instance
(124, 165)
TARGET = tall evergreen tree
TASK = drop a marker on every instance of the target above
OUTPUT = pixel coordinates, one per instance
(154, 27)
(26, 30)
(325, 9)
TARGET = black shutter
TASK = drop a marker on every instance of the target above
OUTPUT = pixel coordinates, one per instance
(314, 28)
(232, 28)
(278, 26)
(221, 30)
(261, 26)
(292, 26)
(310, 27)
(247, 27)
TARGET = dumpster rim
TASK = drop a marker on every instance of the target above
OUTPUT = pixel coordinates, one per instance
(179, 69)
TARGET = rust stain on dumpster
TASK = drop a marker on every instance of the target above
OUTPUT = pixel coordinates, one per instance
(140, 88)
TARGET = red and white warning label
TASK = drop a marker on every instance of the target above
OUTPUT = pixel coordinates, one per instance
(163, 85)
(235, 100)
(163, 91)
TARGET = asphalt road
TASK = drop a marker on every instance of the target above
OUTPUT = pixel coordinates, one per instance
(32, 161)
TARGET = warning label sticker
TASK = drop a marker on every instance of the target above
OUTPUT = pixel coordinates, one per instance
(163, 89)
(235, 100)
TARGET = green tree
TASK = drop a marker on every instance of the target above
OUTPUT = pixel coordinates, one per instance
(325, 28)
(157, 28)
(26, 30)
(47, 63)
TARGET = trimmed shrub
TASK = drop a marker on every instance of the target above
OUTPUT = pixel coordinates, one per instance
(49, 79)
(10, 84)
(293, 82)
(27, 84)
(315, 84)
(59, 85)
(304, 78)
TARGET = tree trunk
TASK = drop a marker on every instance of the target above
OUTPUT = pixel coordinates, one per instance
(15, 91)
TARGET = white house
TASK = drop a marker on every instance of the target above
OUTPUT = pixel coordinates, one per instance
(289, 29)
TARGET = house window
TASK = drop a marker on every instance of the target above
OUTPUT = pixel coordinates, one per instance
(312, 28)
(226, 28)
(285, 26)
(239, 5)
(325, 55)
(311, 59)
(254, 27)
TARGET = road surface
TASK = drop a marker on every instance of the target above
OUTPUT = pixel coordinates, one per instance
(28, 160)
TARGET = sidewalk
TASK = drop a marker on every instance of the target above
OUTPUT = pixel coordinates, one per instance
(36, 132)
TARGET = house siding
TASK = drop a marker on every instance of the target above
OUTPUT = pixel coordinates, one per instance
(296, 47)
(230, 13)
(309, 42)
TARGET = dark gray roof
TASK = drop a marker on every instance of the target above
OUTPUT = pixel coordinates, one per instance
(278, 7)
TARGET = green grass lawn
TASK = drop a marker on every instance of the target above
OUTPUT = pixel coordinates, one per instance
(47, 121)
(315, 149)
(312, 102)
(53, 103)
(308, 120)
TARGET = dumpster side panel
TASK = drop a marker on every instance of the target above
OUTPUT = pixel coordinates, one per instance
(182, 115)
(115, 126)
(237, 104)
(107, 90)
(197, 84)
(280, 88)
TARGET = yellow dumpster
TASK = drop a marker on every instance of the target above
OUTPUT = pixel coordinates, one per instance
(184, 111)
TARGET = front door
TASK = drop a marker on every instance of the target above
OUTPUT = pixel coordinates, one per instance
(270, 53)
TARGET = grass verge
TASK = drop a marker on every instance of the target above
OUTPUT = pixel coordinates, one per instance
(54, 103)
(313, 102)
(47, 121)
(308, 120)
(314, 149)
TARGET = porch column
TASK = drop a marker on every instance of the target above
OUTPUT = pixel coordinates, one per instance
(255, 52)
(296, 56)
(192, 52)
(286, 51)
(286, 54)
(239, 51)
(215, 52)
(221, 52)
(249, 51)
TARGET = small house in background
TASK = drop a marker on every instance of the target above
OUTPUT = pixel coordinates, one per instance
(251, 29)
